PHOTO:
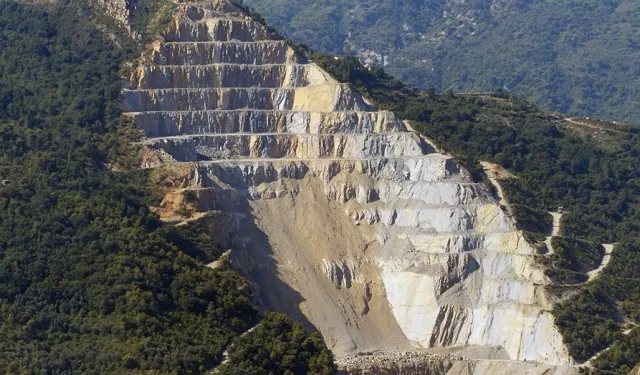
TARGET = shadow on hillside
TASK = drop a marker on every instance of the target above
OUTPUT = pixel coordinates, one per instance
(253, 257)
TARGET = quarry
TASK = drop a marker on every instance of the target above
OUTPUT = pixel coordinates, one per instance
(340, 215)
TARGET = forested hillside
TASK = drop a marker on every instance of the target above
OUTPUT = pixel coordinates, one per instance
(90, 281)
(576, 57)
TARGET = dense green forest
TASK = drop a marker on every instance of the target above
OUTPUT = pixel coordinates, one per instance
(597, 181)
(278, 345)
(590, 320)
(90, 281)
(572, 259)
(576, 57)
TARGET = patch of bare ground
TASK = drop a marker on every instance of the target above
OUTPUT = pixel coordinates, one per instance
(494, 173)
(322, 257)
(180, 204)
(555, 231)
(608, 250)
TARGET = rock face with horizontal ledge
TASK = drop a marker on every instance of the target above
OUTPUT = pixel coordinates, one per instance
(342, 216)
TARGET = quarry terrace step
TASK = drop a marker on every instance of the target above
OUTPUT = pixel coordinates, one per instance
(256, 110)
(249, 65)
(237, 146)
(173, 123)
(216, 29)
(209, 16)
(197, 12)
(250, 122)
(204, 53)
(227, 42)
(469, 243)
(480, 218)
(228, 75)
(304, 160)
(338, 97)
(254, 171)
(149, 141)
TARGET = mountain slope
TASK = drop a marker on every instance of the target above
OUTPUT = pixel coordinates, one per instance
(579, 58)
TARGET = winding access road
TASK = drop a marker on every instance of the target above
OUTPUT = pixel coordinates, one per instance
(608, 250)
(557, 218)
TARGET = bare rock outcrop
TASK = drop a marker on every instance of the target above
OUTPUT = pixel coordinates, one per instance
(342, 216)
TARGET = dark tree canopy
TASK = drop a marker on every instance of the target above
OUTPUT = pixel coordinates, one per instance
(90, 282)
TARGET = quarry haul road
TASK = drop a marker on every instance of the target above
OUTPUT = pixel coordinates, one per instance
(557, 218)
(488, 170)
(572, 120)
(608, 250)
(225, 355)
(598, 354)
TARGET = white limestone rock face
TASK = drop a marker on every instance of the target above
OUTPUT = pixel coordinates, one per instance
(268, 52)
(227, 75)
(300, 146)
(245, 120)
(381, 239)
(190, 29)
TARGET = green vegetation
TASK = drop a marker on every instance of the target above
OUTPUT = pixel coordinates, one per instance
(577, 255)
(622, 357)
(572, 259)
(533, 220)
(150, 17)
(590, 321)
(90, 282)
(597, 185)
(580, 58)
(279, 346)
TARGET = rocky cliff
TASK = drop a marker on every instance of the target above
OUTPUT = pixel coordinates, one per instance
(340, 214)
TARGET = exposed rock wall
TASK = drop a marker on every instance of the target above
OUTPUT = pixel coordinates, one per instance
(279, 145)
(174, 123)
(118, 10)
(342, 216)
(268, 52)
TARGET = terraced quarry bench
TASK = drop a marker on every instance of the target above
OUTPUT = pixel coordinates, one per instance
(340, 215)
